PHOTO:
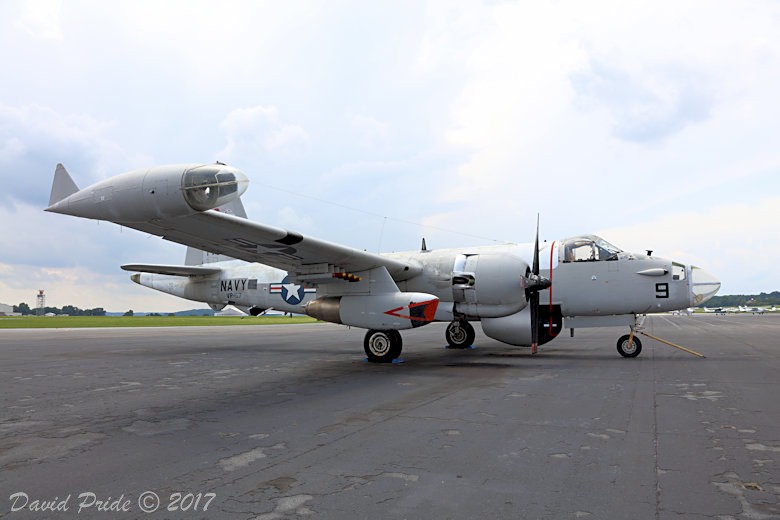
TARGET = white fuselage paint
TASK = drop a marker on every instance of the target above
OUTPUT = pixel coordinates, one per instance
(591, 288)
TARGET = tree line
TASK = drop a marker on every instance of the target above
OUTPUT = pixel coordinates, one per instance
(70, 310)
(728, 300)
(735, 300)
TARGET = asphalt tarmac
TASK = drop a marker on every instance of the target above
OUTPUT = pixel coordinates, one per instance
(275, 422)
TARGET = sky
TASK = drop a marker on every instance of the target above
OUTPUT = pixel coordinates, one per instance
(374, 124)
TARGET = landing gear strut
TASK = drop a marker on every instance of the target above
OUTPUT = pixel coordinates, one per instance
(460, 334)
(382, 346)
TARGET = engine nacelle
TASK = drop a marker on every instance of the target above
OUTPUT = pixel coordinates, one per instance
(516, 329)
(490, 285)
(398, 311)
(159, 192)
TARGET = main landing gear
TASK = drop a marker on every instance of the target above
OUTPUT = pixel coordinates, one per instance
(459, 334)
(382, 346)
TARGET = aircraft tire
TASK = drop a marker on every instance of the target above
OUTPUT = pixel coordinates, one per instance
(382, 346)
(459, 334)
(627, 350)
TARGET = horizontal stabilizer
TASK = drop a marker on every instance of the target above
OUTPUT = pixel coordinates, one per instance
(175, 270)
(62, 187)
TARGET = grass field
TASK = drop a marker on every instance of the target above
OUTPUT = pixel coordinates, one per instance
(74, 322)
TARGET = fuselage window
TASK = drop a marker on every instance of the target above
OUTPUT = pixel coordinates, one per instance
(678, 271)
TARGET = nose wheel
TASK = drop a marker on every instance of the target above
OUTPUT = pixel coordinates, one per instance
(629, 346)
(459, 334)
(382, 346)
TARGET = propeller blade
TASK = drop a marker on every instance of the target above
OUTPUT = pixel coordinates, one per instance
(534, 299)
(535, 268)
(533, 283)
(534, 303)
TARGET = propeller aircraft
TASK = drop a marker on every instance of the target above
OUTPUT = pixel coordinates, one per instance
(522, 294)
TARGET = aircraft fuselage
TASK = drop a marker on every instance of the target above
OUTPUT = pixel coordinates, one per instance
(627, 284)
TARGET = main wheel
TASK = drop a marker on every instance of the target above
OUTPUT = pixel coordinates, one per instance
(460, 334)
(382, 346)
(629, 349)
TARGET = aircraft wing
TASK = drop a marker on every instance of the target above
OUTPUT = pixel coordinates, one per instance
(308, 258)
(176, 270)
(188, 204)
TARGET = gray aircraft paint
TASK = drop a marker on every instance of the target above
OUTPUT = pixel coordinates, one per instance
(181, 203)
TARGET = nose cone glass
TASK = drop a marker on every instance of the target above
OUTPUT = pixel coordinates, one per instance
(703, 285)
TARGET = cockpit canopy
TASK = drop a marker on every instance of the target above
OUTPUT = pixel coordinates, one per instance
(210, 185)
(587, 248)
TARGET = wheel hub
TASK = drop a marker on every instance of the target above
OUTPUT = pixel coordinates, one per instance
(458, 334)
(379, 344)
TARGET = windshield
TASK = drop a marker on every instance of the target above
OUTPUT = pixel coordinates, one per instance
(588, 248)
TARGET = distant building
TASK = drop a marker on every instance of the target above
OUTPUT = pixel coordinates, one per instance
(230, 311)
(7, 310)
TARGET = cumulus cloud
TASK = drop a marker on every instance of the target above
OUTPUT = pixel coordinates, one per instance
(370, 132)
(289, 218)
(469, 116)
(731, 240)
(115, 293)
(259, 130)
(33, 139)
(377, 170)
(54, 241)
(41, 19)
(77, 261)
(513, 97)
(646, 109)
(585, 111)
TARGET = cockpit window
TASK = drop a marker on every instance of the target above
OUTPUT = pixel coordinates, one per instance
(588, 248)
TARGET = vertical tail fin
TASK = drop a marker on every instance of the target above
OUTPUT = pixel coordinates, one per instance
(198, 257)
(62, 187)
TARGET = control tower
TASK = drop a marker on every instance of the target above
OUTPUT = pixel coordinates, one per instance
(41, 302)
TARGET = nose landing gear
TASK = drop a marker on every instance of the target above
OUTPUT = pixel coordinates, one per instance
(629, 345)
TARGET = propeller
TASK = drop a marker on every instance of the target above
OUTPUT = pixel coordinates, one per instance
(533, 284)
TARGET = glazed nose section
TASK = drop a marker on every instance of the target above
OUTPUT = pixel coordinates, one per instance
(703, 285)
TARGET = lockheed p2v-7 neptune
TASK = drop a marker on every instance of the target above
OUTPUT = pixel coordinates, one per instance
(522, 294)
